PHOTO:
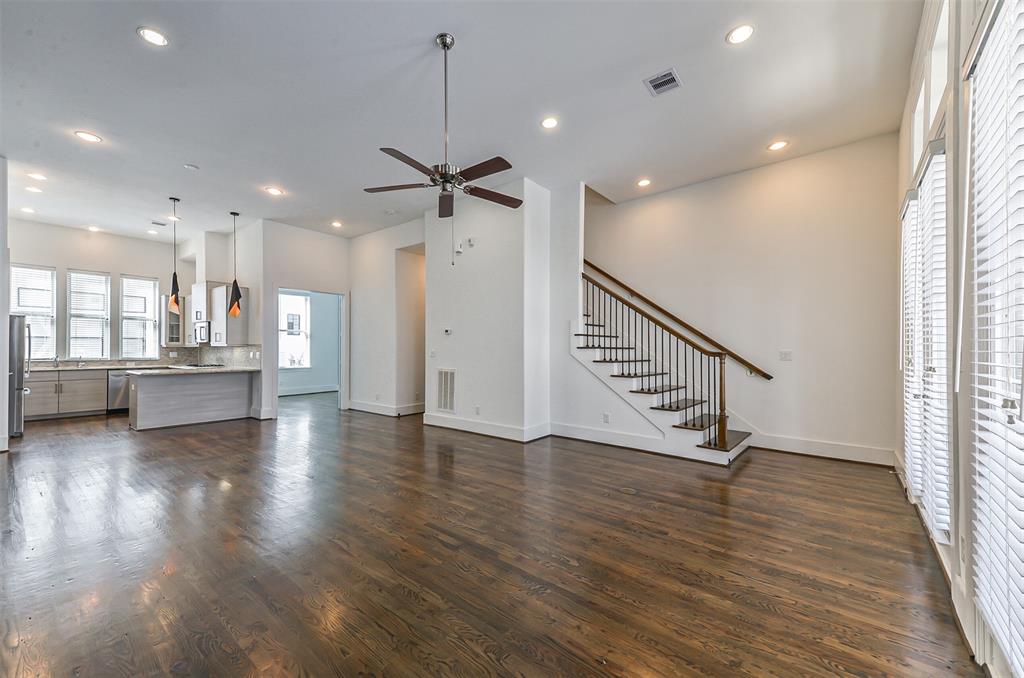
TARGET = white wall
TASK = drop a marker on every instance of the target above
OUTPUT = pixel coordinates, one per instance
(481, 299)
(64, 248)
(794, 256)
(410, 330)
(324, 349)
(375, 334)
(293, 258)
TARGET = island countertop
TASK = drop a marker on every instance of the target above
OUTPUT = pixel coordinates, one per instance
(186, 371)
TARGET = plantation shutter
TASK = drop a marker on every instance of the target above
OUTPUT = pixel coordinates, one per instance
(34, 295)
(926, 375)
(88, 315)
(997, 215)
(139, 318)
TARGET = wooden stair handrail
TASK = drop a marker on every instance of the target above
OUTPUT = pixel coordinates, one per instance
(660, 323)
(674, 318)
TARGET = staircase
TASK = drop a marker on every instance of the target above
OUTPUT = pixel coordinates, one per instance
(667, 370)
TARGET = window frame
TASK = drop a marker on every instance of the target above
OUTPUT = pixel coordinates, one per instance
(282, 330)
(105, 317)
(124, 315)
(53, 304)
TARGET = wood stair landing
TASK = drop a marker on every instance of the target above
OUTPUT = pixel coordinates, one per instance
(638, 375)
(609, 348)
(678, 405)
(655, 390)
(699, 423)
(732, 439)
(634, 360)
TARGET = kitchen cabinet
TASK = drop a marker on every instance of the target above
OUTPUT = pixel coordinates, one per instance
(174, 327)
(82, 391)
(225, 330)
(42, 397)
(201, 310)
(65, 392)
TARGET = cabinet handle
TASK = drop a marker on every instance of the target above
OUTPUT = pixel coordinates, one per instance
(55, 385)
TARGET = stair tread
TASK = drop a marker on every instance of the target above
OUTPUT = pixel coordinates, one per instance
(655, 390)
(698, 423)
(677, 405)
(638, 375)
(593, 324)
(632, 360)
(596, 336)
(732, 439)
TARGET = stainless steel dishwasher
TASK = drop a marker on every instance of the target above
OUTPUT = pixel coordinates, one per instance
(117, 390)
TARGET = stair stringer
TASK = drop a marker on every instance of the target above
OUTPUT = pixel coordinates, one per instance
(672, 441)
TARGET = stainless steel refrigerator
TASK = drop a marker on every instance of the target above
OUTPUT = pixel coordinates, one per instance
(20, 350)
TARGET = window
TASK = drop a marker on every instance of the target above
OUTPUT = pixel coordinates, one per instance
(926, 377)
(139, 318)
(293, 325)
(997, 434)
(88, 315)
(34, 295)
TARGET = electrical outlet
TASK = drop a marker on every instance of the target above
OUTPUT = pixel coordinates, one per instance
(252, 354)
(174, 354)
(257, 355)
(606, 417)
(786, 356)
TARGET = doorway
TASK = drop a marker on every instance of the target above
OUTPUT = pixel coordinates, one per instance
(410, 328)
(309, 342)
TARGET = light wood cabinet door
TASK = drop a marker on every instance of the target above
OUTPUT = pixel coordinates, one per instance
(83, 395)
(42, 398)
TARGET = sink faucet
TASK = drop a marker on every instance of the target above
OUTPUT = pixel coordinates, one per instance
(56, 361)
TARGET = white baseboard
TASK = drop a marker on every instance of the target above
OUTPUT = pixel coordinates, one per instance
(411, 408)
(824, 448)
(261, 413)
(307, 390)
(674, 447)
(487, 428)
(373, 408)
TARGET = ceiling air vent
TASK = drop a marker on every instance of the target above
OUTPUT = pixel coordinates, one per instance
(662, 82)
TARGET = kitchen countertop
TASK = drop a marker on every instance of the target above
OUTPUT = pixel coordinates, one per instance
(176, 372)
(74, 368)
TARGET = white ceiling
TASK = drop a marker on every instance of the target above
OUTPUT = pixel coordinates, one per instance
(301, 95)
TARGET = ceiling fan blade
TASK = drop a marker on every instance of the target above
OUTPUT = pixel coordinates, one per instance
(396, 187)
(415, 164)
(493, 196)
(485, 168)
(446, 205)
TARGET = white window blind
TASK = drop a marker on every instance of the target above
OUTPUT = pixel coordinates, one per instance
(925, 370)
(88, 315)
(139, 330)
(997, 216)
(34, 295)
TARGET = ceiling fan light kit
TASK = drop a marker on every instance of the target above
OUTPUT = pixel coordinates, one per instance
(447, 176)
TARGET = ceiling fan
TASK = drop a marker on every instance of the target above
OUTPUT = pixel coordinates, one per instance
(446, 176)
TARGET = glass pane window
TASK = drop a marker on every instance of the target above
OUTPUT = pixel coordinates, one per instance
(88, 315)
(293, 334)
(139, 319)
(34, 295)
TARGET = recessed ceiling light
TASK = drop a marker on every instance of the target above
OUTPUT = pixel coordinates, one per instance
(94, 229)
(152, 231)
(33, 189)
(88, 136)
(37, 176)
(190, 166)
(273, 190)
(28, 210)
(777, 145)
(336, 224)
(152, 36)
(643, 183)
(739, 34)
(549, 123)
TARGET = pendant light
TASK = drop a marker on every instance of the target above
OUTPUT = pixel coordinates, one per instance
(173, 304)
(235, 304)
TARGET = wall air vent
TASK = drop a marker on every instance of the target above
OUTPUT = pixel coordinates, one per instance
(446, 390)
(665, 81)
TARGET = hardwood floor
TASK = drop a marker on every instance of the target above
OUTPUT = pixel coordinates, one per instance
(330, 543)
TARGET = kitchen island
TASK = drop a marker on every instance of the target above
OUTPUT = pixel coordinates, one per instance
(189, 395)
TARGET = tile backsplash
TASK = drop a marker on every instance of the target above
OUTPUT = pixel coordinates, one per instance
(231, 356)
